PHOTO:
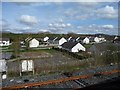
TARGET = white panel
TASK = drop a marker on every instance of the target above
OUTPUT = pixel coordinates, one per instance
(30, 65)
(24, 65)
(27, 65)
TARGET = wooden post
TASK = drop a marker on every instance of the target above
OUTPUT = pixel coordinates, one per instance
(6, 69)
(33, 68)
(20, 67)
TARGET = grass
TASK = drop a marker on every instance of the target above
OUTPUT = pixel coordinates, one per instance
(87, 45)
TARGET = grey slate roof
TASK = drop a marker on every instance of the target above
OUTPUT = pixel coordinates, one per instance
(51, 38)
(69, 45)
(91, 39)
(4, 39)
(5, 55)
(39, 39)
(58, 39)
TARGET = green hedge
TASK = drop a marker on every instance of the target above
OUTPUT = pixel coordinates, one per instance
(70, 53)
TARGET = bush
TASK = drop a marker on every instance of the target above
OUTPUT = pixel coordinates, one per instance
(70, 53)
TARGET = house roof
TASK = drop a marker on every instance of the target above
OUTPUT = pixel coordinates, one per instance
(28, 39)
(39, 39)
(58, 38)
(6, 55)
(51, 38)
(69, 45)
(4, 39)
(91, 39)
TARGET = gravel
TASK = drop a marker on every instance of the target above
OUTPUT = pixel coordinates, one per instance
(69, 84)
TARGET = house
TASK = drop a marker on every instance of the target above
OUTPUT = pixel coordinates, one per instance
(69, 38)
(73, 47)
(3, 67)
(3, 63)
(99, 39)
(52, 40)
(45, 39)
(96, 39)
(5, 55)
(4, 41)
(86, 40)
(62, 40)
(116, 40)
(91, 39)
(75, 39)
(33, 43)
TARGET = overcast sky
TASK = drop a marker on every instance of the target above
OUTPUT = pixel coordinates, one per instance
(60, 17)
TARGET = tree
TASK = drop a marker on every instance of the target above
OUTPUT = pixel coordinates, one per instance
(16, 47)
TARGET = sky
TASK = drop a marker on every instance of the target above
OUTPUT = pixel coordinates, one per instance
(60, 17)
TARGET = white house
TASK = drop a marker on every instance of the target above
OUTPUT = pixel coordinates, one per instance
(115, 37)
(3, 66)
(96, 39)
(4, 56)
(3, 69)
(77, 38)
(86, 40)
(4, 41)
(45, 39)
(73, 46)
(62, 40)
(33, 43)
(69, 38)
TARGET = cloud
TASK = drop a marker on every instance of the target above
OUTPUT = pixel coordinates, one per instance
(108, 12)
(43, 30)
(68, 24)
(27, 28)
(28, 20)
(50, 25)
(58, 26)
(4, 23)
(91, 10)
(5, 26)
(94, 29)
(108, 26)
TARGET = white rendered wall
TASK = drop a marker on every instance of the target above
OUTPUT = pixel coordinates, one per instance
(78, 47)
(86, 40)
(62, 40)
(34, 43)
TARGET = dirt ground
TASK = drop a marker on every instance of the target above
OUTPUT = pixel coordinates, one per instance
(48, 62)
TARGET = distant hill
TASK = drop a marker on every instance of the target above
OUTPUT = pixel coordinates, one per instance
(43, 34)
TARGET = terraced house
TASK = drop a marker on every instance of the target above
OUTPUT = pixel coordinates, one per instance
(73, 46)
(4, 41)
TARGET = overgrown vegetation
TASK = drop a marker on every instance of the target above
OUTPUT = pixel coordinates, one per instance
(110, 55)
(75, 55)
